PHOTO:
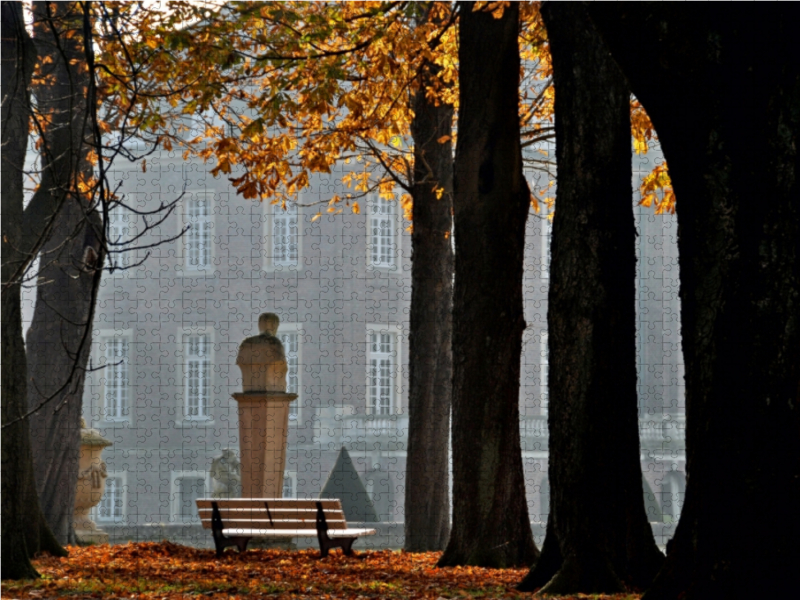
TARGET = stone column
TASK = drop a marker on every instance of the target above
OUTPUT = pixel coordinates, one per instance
(91, 486)
(263, 411)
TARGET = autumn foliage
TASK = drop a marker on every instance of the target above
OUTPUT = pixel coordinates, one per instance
(167, 570)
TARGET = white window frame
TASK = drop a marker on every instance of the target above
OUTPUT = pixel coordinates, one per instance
(121, 229)
(109, 372)
(186, 359)
(295, 406)
(544, 371)
(676, 487)
(547, 237)
(272, 212)
(122, 476)
(290, 476)
(175, 489)
(397, 360)
(379, 209)
(198, 226)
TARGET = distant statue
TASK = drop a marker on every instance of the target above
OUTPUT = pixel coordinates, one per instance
(226, 475)
(262, 359)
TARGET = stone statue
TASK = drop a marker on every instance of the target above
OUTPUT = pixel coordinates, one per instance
(226, 475)
(91, 485)
(263, 409)
(261, 358)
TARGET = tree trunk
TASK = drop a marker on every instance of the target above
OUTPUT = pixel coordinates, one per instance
(596, 480)
(427, 504)
(548, 563)
(57, 343)
(723, 91)
(24, 530)
(491, 527)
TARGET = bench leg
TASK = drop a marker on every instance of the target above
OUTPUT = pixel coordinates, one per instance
(219, 542)
(327, 544)
(347, 546)
(241, 543)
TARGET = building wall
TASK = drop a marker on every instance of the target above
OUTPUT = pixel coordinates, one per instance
(332, 299)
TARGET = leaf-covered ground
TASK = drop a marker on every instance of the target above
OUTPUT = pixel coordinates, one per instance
(166, 570)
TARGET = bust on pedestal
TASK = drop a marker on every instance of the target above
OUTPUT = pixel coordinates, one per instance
(263, 411)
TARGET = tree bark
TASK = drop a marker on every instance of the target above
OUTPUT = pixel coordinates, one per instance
(548, 563)
(427, 504)
(491, 527)
(596, 480)
(723, 91)
(57, 347)
(24, 530)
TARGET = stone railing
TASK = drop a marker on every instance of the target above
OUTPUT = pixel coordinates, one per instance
(663, 431)
(390, 432)
(533, 433)
(387, 432)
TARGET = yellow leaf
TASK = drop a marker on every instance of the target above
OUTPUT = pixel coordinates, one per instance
(443, 139)
(316, 216)
(356, 208)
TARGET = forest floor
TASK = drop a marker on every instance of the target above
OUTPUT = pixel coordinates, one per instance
(166, 570)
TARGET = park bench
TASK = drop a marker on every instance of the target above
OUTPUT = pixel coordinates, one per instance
(235, 522)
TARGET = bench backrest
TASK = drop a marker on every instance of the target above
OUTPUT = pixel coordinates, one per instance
(271, 513)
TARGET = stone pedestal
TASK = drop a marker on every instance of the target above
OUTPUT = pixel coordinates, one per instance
(263, 411)
(263, 429)
(91, 486)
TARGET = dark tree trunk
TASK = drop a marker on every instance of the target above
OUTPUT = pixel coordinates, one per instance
(596, 480)
(548, 563)
(723, 90)
(491, 527)
(427, 504)
(594, 442)
(59, 324)
(57, 343)
(24, 530)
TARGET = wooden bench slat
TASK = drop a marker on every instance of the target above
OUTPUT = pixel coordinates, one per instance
(268, 525)
(296, 532)
(262, 513)
(327, 504)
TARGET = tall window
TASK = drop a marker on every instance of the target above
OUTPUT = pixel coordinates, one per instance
(111, 506)
(382, 233)
(672, 492)
(119, 232)
(381, 371)
(291, 346)
(117, 392)
(288, 486)
(190, 489)
(198, 376)
(544, 500)
(284, 236)
(198, 238)
(547, 236)
(544, 367)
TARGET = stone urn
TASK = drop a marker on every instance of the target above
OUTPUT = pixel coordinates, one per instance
(91, 486)
(263, 411)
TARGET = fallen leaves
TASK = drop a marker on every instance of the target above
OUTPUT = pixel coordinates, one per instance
(167, 570)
